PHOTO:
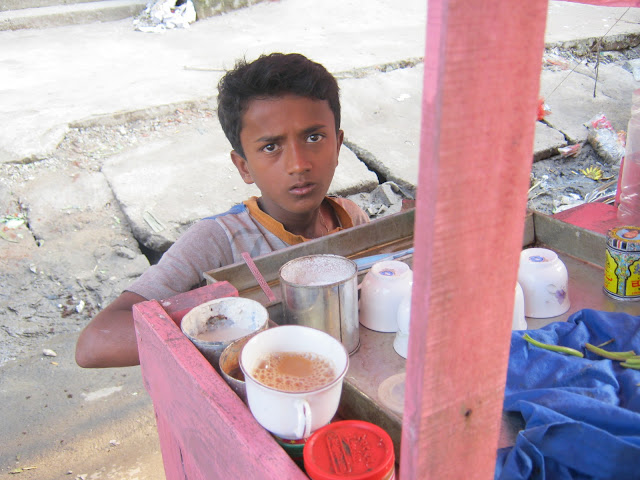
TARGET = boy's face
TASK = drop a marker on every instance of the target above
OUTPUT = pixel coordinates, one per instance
(291, 149)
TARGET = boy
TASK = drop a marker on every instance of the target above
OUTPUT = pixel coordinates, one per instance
(281, 114)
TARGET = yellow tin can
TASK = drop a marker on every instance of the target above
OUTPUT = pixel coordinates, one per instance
(622, 263)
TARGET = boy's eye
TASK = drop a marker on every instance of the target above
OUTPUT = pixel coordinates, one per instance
(314, 137)
(269, 148)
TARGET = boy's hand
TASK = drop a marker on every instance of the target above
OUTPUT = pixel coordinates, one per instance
(109, 340)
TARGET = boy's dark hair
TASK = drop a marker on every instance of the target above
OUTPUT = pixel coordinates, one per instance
(272, 75)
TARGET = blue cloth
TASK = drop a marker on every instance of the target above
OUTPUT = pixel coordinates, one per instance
(581, 415)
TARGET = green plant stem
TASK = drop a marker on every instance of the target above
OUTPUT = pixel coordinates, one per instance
(635, 366)
(553, 348)
(611, 355)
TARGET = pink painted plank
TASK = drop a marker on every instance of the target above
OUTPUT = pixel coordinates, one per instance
(179, 305)
(596, 217)
(171, 450)
(482, 70)
(206, 431)
(608, 3)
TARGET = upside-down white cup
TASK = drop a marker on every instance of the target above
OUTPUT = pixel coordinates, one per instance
(401, 340)
(293, 415)
(381, 291)
(519, 322)
(545, 283)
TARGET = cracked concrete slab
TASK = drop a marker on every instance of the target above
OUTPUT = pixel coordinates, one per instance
(130, 70)
(578, 26)
(77, 208)
(546, 141)
(381, 120)
(164, 187)
(569, 94)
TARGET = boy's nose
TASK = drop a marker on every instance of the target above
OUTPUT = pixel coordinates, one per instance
(296, 160)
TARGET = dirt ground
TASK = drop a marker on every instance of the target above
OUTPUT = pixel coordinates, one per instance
(60, 265)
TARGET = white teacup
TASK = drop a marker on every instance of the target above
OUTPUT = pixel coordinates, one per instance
(293, 415)
(212, 326)
(401, 341)
(519, 322)
(381, 291)
(545, 283)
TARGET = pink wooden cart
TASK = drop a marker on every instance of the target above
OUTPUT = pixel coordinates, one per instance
(480, 96)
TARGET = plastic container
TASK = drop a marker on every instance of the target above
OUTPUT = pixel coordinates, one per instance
(628, 193)
(629, 207)
(350, 449)
(294, 449)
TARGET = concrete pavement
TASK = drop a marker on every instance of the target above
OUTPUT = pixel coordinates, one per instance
(59, 78)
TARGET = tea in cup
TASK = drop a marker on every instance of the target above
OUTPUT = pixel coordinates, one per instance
(230, 366)
(213, 325)
(293, 379)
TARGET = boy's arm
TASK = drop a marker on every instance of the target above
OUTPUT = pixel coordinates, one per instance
(109, 340)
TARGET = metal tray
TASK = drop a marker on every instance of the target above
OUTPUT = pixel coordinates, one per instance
(365, 394)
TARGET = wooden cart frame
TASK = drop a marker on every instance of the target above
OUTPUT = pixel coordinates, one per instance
(480, 97)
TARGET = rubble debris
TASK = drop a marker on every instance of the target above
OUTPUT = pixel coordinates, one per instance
(161, 15)
(21, 470)
(80, 306)
(570, 150)
(385, 199)
(592, 172)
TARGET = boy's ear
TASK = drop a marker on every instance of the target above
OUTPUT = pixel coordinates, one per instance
(243, 168)
(340, 140)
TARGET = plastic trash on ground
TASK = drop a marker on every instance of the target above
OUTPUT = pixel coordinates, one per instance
(570, 150)
(608, 143)
(543, 109)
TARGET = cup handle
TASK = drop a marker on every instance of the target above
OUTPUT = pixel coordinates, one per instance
(303, 429)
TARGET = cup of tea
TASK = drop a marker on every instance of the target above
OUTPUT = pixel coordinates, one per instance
(213, 325)
(230, 366)
(293, 379)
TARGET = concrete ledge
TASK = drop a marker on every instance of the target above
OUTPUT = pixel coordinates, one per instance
(59, 15)
(6, 5)
(209, 8)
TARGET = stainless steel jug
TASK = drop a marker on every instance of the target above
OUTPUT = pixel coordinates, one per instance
(321, 291)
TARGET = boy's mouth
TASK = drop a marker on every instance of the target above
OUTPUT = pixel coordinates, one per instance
(302, 188)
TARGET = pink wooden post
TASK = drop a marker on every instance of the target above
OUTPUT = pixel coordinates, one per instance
(482, 72)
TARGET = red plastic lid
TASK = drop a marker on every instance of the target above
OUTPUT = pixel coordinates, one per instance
(349, 449)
